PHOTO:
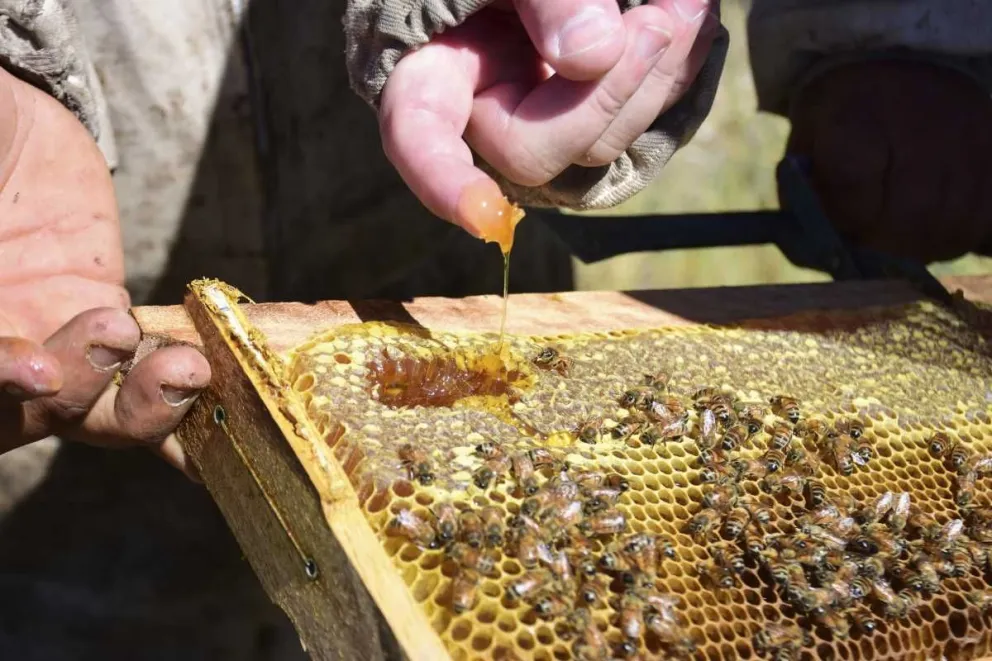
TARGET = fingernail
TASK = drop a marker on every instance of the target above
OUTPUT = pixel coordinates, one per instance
(15, 391)
(177, 396)
(588, 29)
(652, 41)
(690, 11)
(106, 358)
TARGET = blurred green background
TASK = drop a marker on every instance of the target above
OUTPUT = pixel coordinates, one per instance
(728, 166)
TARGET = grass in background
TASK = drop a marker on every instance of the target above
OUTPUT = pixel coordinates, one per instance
(728, 166)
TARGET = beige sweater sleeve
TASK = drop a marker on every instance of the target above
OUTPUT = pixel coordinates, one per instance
(793, 41)
(40, 44)
(380, 32)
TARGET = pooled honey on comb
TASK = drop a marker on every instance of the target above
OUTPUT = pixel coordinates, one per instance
(498, 218)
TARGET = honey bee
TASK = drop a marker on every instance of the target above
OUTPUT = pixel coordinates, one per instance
(549, 358)
(636, 398)
(721, 498)
(410, 526)
(542, 457)
(753, 541)
(964, 489)
(730, 558)
(899, 515)
(590, 431)
(483, 562)
(492, 470)
(669, 416)
(812, 428)
(785, 406)
(707, 437)
(781, 436)
(665, 625)
(774, 460)
(876, 509)
(561, 512)
(960, 560)
(748, 469)
(734, 438)
(871, 568)
(938, 444)
(590, 643)
(523, 470)
(779, 640)
(492, 523)
(551, 604)
(981, 599)
(651, 436)
(978, 464)
(625, 429)
(864, 621)
(839, 450)
(472, 532)
(802, 461)
(718, 471)
(463, 590)
(735, 522)
(417, 463)
(606, 522)
(863, 451)
(617, 481)
(600, 498)
(642, 549)
(630, 618)
(529, 583)
(446, 522)
(489, 449)
(658, 381)
(751, 415)
(613, 560)
(701, 525)
(788, 481)
(926, 578)
(838, 625)
(721, 406)
(825, 537)
(594, 589)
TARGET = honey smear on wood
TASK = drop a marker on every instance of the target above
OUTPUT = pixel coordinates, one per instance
(684, 492)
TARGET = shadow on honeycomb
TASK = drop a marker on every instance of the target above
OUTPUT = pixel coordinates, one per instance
(715, 492)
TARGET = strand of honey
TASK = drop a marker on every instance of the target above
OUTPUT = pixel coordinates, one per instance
(484, 207)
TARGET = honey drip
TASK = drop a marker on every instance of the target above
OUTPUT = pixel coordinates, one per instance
(506, 300)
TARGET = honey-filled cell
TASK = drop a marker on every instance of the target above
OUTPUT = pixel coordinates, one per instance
(599, 495)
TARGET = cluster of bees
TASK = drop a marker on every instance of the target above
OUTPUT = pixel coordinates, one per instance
(842, 565)
(843, 562)
(572, 542)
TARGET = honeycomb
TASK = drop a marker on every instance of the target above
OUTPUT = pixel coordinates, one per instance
(413, 414)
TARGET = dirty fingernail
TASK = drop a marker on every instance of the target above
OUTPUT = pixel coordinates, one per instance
(15, 391)
(585, 31)
(691, 10)
(177, 396)
(652, 41)
(106, 358)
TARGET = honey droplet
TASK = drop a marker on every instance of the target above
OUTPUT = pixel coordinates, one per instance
(484, 208)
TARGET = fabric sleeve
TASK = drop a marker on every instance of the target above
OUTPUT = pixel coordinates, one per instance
(792, 42)
(380, 32)
(40, 44)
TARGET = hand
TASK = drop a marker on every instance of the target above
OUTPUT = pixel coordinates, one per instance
(901, 156)
(491, 83)
(64, 326)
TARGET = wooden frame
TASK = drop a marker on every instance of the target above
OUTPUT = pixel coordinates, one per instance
(291, 506)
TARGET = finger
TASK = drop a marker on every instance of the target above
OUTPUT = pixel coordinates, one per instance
(426, 105)
(581, 40)
(531, 135)
(90, 349)
(694, 32)
(152, 399)
(27, 370)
